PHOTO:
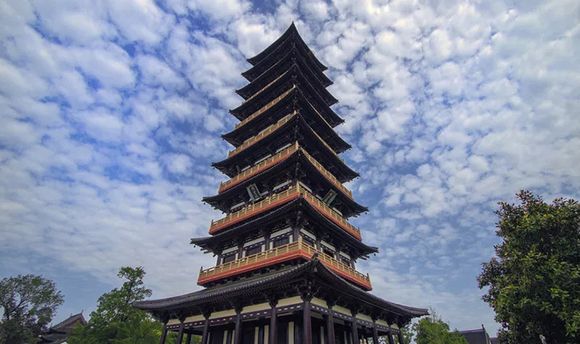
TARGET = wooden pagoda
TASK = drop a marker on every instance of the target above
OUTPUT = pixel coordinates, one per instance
(286, 252)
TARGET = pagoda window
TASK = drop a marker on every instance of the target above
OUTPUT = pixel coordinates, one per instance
(306, 187)
(308, 237)
(237, 207)
(254, 192)
(263, 158)
(230, 257)
(255, 249)
(281, 185)
(283, 147)
(329, 197)
(280, 232)
(280, 241)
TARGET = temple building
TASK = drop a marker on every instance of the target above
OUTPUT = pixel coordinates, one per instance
(286, 252)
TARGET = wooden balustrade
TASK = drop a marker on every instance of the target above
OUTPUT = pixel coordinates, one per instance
(262, 134)
(280, 156)
(264, 108)
(296, 249)
(263, 165)
(293, 192)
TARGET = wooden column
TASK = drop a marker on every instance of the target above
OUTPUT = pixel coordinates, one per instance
(307, 318)
(240, 250)
(390, 336)
(330, 324)
(273, 332)
(188, 338)
(400, 336)
(180, 334)
(261, 334)
(238, 330)
(375, 334)
(355, 339)
(163, 333)
(205, 328)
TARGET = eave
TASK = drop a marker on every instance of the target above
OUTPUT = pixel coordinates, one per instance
(291, 57)
(292, 76)
(280, 162)
(340, 169)
(214, 242)
(293, 98)
(290, 33)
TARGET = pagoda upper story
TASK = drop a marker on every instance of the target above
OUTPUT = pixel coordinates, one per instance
(285, 201)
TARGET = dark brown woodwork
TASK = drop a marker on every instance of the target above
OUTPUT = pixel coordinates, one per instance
(261, 334)
(238, 330)
(306, 318)
(390, 336)
(180, 333)
(205, 329)
(273, 332)
(188, 338)
(330, 336)
(400, 336)
(375, 334)
(354, 329)
(163, 333)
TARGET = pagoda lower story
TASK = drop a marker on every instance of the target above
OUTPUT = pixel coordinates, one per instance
(304, 303)
(286, 250)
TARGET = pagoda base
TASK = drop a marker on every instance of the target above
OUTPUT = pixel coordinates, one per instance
(301, 304)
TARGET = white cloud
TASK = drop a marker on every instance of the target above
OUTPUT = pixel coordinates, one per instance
(112, 110)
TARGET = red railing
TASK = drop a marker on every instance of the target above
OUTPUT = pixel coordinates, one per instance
(277, 158)
(293, 192)
(294, 250)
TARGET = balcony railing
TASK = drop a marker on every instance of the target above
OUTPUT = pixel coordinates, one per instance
(276, 158)
(262, 134)
(293, 192)
(263, 165)
(297, 249)
(264, 108)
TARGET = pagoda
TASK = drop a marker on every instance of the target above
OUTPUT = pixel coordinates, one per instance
(286, 251)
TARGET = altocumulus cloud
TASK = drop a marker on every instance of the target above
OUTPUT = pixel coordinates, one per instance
(112, 110)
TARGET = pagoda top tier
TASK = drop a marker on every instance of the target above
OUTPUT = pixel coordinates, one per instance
(290, 37)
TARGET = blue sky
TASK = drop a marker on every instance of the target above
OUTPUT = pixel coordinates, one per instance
(112, 113)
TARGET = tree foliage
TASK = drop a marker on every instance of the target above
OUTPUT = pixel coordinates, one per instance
(115, 320)
(28, 305)
(433, 330)
(533, 282)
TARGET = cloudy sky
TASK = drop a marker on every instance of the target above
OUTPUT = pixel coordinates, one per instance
(112, 113)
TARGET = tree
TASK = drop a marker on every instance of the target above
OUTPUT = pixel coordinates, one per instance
(115, 320)
(28, 305)
(533, 281)
(433, 330)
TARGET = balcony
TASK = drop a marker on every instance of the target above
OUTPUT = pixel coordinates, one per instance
(264, 133)
(294, 250)
(264, 108)
(254, 170)
(272, 201)
(278, 157)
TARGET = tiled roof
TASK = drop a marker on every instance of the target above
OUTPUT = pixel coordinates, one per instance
(259, 283)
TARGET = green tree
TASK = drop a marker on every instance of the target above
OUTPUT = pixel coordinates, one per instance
(433, 330)
(533, 282)
(115, 320)
(28, 304)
